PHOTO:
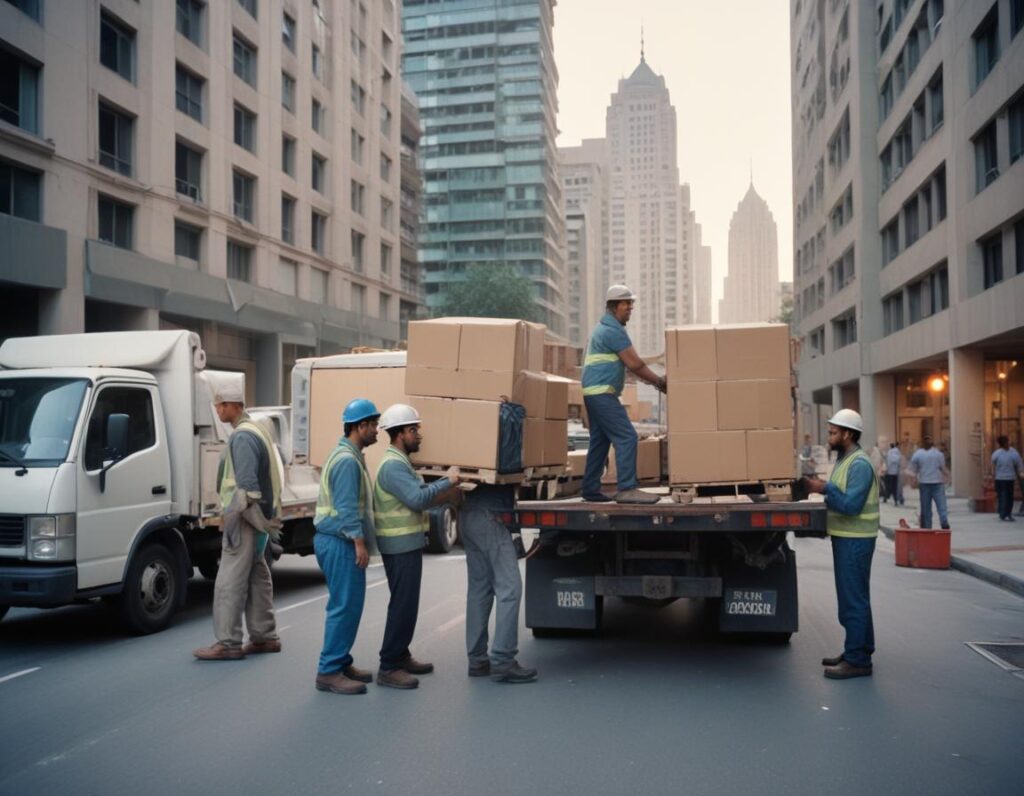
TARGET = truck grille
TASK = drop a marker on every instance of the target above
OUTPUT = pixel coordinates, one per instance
(12, 530)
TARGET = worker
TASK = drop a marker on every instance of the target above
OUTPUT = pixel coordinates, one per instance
(249, 483)
(400, 500)
(604, 373)
(1007, 468)
(851, 496)
(928, 464)
(342, 543)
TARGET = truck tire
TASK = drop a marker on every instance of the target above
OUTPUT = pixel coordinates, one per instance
(150, 592)
(444, 530)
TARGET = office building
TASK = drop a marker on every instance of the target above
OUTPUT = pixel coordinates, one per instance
(751, 290)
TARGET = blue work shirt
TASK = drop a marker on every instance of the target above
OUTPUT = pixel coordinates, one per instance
(928, 465)
(349, 483)
(1006, 463)
(893, 460)
(603, 369)
(858, 484)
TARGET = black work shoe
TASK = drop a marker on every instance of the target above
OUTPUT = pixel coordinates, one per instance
(514, 673)
(832, 661)
(844, 670)
(597, 497)
(480, 669)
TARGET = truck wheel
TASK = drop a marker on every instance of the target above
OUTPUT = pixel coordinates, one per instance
(150, 591)
(444, 530)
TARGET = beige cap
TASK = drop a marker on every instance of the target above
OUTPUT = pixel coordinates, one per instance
(229, 394)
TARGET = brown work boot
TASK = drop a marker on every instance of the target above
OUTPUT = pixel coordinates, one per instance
(844, 670)
(833, 661)
(636, 496)
(481, 669)
(361, 675)
(396, 678)
(413, 666)
(220, 652)
(260, 647)
(338, 683)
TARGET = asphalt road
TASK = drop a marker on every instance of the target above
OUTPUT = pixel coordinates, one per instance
(652, 706)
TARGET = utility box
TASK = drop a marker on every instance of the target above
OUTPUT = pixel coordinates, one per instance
(922, 548)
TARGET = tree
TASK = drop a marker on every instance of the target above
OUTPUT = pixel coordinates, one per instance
(491, 291)
(785, 311)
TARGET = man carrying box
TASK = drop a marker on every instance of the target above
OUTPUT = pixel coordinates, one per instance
(604, 374)
(400, 500)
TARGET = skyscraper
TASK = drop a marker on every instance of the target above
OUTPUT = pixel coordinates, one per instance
(486, 80)
(751, 291)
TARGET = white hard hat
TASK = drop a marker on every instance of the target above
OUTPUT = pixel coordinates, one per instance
(619, 293)
(398, 415)
(229, 394)
(847, 418)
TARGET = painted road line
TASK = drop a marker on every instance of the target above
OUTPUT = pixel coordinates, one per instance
(323, 596)
(458, 620)
(19, 674)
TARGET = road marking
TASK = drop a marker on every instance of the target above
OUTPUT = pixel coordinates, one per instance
(323, 596)
(452, 557)
(19, 674)
(451, 623)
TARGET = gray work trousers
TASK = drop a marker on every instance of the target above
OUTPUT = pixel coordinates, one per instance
(493, 575)
(244, 585)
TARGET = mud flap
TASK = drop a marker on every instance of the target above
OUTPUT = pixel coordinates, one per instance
(560, 591)
(760, 601)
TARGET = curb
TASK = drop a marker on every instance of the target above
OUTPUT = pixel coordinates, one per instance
(1010, 583)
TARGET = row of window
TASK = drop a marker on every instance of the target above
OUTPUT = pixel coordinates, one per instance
(993, 269)
(988, 154)
(920, 299)
(919, 39)
(919, 214)
(924, 119)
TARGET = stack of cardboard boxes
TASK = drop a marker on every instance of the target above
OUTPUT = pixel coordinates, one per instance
(730, 404)
(561, 360)
(458, 372)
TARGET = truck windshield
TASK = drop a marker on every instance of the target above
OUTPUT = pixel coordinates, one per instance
(37, 420)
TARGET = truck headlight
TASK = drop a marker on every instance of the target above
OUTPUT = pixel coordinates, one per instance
(51, 537)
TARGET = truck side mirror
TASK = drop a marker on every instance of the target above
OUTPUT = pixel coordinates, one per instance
(117, 444)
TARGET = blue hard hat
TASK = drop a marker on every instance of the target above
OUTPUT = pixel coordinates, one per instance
(358, 410)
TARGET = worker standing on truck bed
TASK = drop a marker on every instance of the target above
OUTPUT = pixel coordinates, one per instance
(344, 535)
(851, 496)
(249, 481)
(604, 374)
(400, 501)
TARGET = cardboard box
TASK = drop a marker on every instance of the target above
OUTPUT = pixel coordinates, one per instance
(692, 406)
(691, 353)
(556, 442)
(753, 351)
(556, 405)
(770, 455)
(474, 434)
(629, 395)
(438, 382)
(434, 344)
(644, 410)
(707, 456)
(575, 393)
(436, 428)
(576, 463)
(533, 442)
(760, 404)
(648, 462)
(531, 391)
(495, 343)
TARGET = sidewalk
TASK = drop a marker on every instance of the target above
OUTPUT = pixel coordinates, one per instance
(982, 545)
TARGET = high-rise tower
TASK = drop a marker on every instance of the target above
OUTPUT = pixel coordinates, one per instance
(751, 292)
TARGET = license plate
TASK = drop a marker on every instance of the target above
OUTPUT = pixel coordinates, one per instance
(751, 602)
(573, 593)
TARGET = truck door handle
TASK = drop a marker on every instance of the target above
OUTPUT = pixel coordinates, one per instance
(160, 490)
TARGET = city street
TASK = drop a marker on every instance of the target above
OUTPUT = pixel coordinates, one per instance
(651, 706)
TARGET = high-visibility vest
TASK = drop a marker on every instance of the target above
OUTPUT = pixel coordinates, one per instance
(227, 481)
(599, 359)
(325, 499)
(391, 517)
(865, 524)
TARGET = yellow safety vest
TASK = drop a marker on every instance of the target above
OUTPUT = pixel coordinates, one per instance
(391, 517)
(865, 524)
(227, 481)
(597, 359)
(325, 499)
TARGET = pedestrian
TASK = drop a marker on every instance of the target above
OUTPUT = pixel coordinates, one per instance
(342, 543)
(400, 501)
(1007, 468)
(494, 582)
(893, 468)
(807, 457)
(929, 466)
(851, 496)
(604, 374)
(249, 483)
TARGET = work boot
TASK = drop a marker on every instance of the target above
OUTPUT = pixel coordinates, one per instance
(220, 652)
(832, 661)
(482, 669)
(260, 647)
(513, 673)
(844, 670)
(338, 683)
(361, 675)
(636, 496)
(413, 666)
(597, 497)
(396, 678)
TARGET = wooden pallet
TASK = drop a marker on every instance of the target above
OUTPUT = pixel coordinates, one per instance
(753, 491)
(478, 474)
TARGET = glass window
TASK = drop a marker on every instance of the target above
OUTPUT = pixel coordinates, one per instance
(115, 140)
(1016, 17)
(986, 45)
(190, 20)
(245, 128)
(358, 299)
(318, 227)
(385, 167)
(1016, 120)
(358, 95)
(287, 277)
(387, 213)
(358, 241)
(385, 119)
(318, 280)
(244, 193)
(892, 314)
(188, 94)
(288, 92)
(244, 58)
(986, 164)
(27, 7)
(992, 259)
(317, 115)
(288, 155)
(288, 31)
(936, 101)
(186, 241)
(115, 222)
(318, 63)
(385, 259)
(20, 192)
(188, 164)
(358, 144)
(1018, 238)
(287, 219)
(357, 196)
(117, 46)
(135, 402)
(911, 228)
(250, 6)
(19, 92)
(319, 175)
(384, 308)
(239, 262)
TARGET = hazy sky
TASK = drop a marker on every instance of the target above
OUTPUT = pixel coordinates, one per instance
(726, 65)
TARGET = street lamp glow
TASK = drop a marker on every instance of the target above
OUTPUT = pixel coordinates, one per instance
(937, 384)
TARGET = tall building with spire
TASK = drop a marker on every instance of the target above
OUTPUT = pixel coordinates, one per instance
(751, 291)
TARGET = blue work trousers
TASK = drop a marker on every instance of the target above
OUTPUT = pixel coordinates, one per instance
(609, 425)
(1004, 497)
(346, 584)
(851, 559)
(930, 492)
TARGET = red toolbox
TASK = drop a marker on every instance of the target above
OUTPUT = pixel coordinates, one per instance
(924, 549)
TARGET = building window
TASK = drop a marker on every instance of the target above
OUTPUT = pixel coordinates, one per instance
(115, 222)
(244, 193)
(115, 140)
(318, 237)
(239, 262)
(250, 6)
(318, 280)
(188, 164)
(384, 309)
(385, 259)
(839, 144)
(186, 242)
(318, 116)
(385, 167)
(245, 128)
(19, 92)
(20, 192)
(318, 64)
(385, 119)
(188, 93)
(244, 60)
(841, 272)
(1016, 17)
(358, 299)
(28, 7)
(936, 102)
(911, 223)
(387, 213)
(319, 174)
(928, 295)
(986, 45)
(986, 162)
(287, 219)
(892, 314)
(117, 46)
(357, 196)
(288, 31)
(358, 94)
(358, 241)
(288, 155)
(358, 145)
(817, 342)
(287, 277)
(287, 92)
(844, 330)
(190, 20)
(1016, 120)
(992, 259)
(1018, 239)
(890, 241)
